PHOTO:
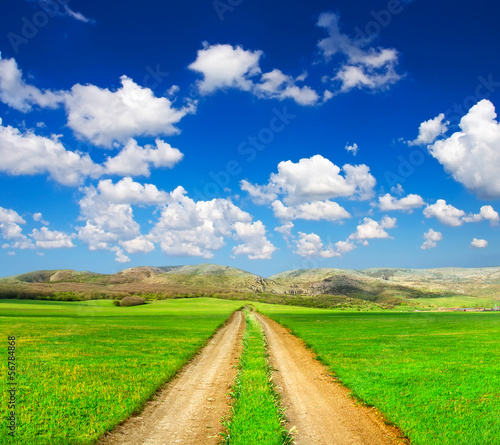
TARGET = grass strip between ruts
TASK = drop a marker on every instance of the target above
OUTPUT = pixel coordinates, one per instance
(257, 417)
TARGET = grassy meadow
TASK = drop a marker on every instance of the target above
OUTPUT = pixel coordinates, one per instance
(435, 375)
(257, 418)
(82, 367)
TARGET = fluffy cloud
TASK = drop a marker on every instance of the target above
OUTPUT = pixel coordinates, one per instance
(362, 67)
(451, 216)
(430, 130)
(51, 239)
(353, 149)
(11, 230)
(16, 93)
(103, 116)
(255, 243)
(189, 228)
(138, 245)
(486, 213)
(479, 243)
(310, 245)
(134, 160)
(445, 213)
(127, 191)
(371, 229)
(315, 179)
(472, 155)
(29, 154)
(226, 66)
(314, 211)
(39, 218)
(388, 203)
(431, 239)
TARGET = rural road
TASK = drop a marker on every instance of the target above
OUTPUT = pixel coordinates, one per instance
(189, 409)
(317, 408)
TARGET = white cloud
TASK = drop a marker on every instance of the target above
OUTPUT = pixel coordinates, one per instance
(445, 213)
(310, 245)
(431, 239)
(16, 93)
(11, 230)
(430, 130)
(138, 245)
(371, 229)
(389, 203)
(315, 179)
(486, 213)
(472, 155)
(255, 243)
(120, 256)
(344, 246)
(103, 116)
(189, 228)
(479, 243)
(260, 194)
(285, 229)
(39, 218)
(134, 160)
(51, 239)
(127, 191)
(225, 66)
(353, 149)
(29, 154)
(362, 67)
(314, 211)
(398, 190)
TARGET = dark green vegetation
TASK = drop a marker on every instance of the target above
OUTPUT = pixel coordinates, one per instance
(368, 289)
(85, 366)
(134, 300)
(257, 418)
(435, 375)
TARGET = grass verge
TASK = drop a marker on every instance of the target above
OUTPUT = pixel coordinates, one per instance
(257, 417)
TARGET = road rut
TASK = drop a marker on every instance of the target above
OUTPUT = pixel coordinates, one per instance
(319, 410)
(189, 409)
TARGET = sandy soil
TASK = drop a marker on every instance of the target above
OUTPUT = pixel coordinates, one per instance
(318, 409)
(189, 409)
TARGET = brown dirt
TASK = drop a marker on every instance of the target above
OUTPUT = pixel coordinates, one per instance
(190, 408)
(318, 409)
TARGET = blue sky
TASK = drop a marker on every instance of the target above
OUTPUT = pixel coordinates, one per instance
(263, 135)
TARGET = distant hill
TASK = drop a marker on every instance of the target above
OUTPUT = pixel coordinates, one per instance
(380, 285)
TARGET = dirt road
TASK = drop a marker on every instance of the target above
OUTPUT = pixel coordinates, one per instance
(317, 408)
(190, 408)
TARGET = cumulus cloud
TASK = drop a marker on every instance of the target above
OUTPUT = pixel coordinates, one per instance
(445, 213)
(353, 149)
(486, 213)
(479, 243)
(25, 153)
(134, 160)
(362, 66)
(127, 191)
(189, 228)
(431, 239)
(16, 93)
(11, 230)
(227, 66)
(389, 203)
(103, 117)
(371, 229)
(52, 239)
(309, 245)
(138, 245)
(255, 243)
(39, 218)
(472, 155)
(314, 211)
(314, 179)
(430, 130)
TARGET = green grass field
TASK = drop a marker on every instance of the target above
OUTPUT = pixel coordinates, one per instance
(257, 418)
(435, 375)
(83, 367)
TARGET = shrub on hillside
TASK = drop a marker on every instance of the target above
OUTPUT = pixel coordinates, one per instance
(134, 300)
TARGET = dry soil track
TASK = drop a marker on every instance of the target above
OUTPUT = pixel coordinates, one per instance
(318, 409)
(189, 409)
